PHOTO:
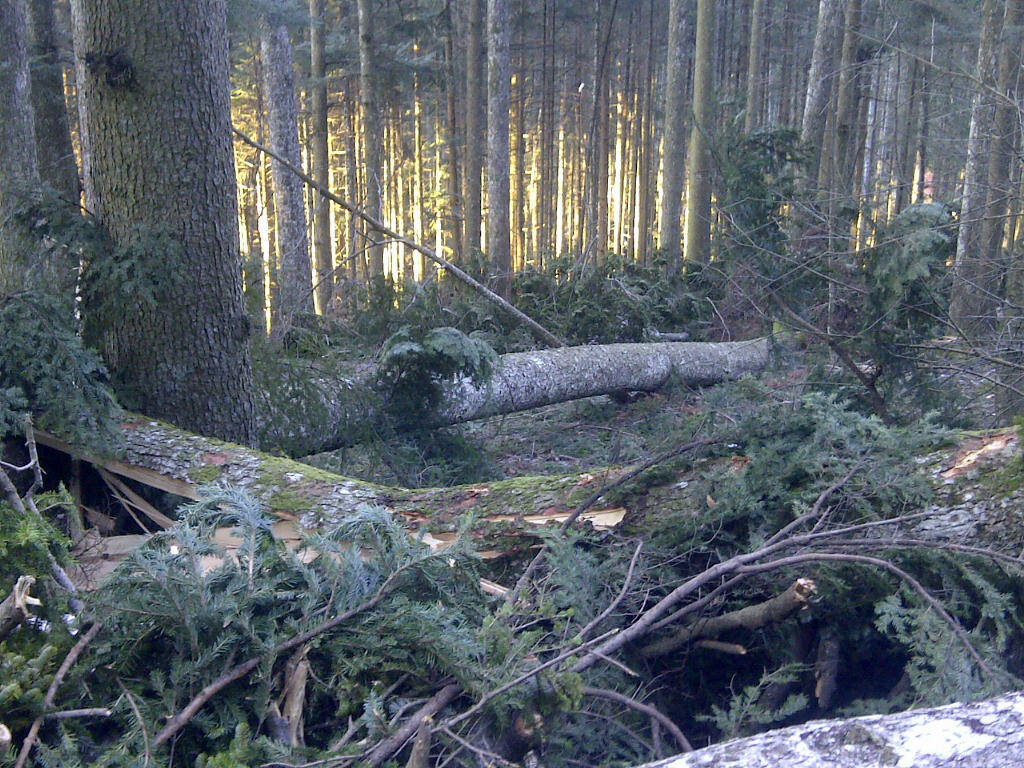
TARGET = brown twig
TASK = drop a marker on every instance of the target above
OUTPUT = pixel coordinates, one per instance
(647, 709)
(389, 746)
(51, 691)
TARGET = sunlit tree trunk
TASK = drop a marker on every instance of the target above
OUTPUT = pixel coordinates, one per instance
(698, 160)
(418, 173)
(294, 272)
(147, 107)
(372, 136)
(320, 155)
(674, 153)
(54, 153)
(474, 128)
(498, 70)
(452, 142)
(975, 281)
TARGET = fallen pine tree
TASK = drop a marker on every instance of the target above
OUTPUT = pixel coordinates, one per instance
(305, 410)
(722, 592)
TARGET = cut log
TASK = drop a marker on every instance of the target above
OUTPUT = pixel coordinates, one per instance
(984, 734)
(304, 497)
(306, 410)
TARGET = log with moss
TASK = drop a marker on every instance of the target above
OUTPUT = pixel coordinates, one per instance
(306, 410)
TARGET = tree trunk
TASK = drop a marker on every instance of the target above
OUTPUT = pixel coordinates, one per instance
(372, 136)
(498, 66)
(670, 237)
(474, 129)
(1004, 130)
(985, 734)
(54, 154)
(305, 411)
(698, 157)
(295, 290)
(819, 78)
(755, 80)
(321, 169)
(17, 130)
(973, 299)
(155, 115)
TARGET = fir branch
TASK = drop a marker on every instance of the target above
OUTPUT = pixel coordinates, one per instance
(178, 721)
(51, 692)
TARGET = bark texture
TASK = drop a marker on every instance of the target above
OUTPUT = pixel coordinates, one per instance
(984, 734)
(159, 175)
(17, 132)
(819, 78)
(54, 154)
(670, 236)
(474, 128)
(320, 156)
(372, 136)
(294, 285)
(305, 411)
(498, 69)
(698, 159)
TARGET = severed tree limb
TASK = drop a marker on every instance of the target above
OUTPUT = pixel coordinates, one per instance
(778, 608)
(15, 607)
(652, 712)
(51, 691)
(542, 333)
(383, 751)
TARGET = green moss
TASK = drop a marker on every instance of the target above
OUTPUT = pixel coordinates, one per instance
(204, 475)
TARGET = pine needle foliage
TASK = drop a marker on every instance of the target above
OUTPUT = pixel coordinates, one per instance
(182, 610)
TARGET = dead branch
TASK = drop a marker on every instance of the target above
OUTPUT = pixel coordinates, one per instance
(389, 746)
(771, 611)
(15, 607)
(51, 691)
(652, 712)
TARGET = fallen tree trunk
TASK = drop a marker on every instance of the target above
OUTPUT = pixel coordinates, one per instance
(304, 497)
(305, 410)
(984, 734)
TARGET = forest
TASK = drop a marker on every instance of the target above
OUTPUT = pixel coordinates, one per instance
(476, 383)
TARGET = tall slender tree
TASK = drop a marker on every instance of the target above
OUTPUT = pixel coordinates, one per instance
(498, 72)
(474, 128)
(372, 135)
(819, 79)
(698, 158)
(294, 272)
(974, 290)
(17, 129)
(154, 95)
(320, 158)
(674, 154)
(54, 152)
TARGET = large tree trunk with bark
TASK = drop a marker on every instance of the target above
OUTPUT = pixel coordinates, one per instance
(983, 734)
(159, 175)
(294, 283)
(498, 66)
(306, 410)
